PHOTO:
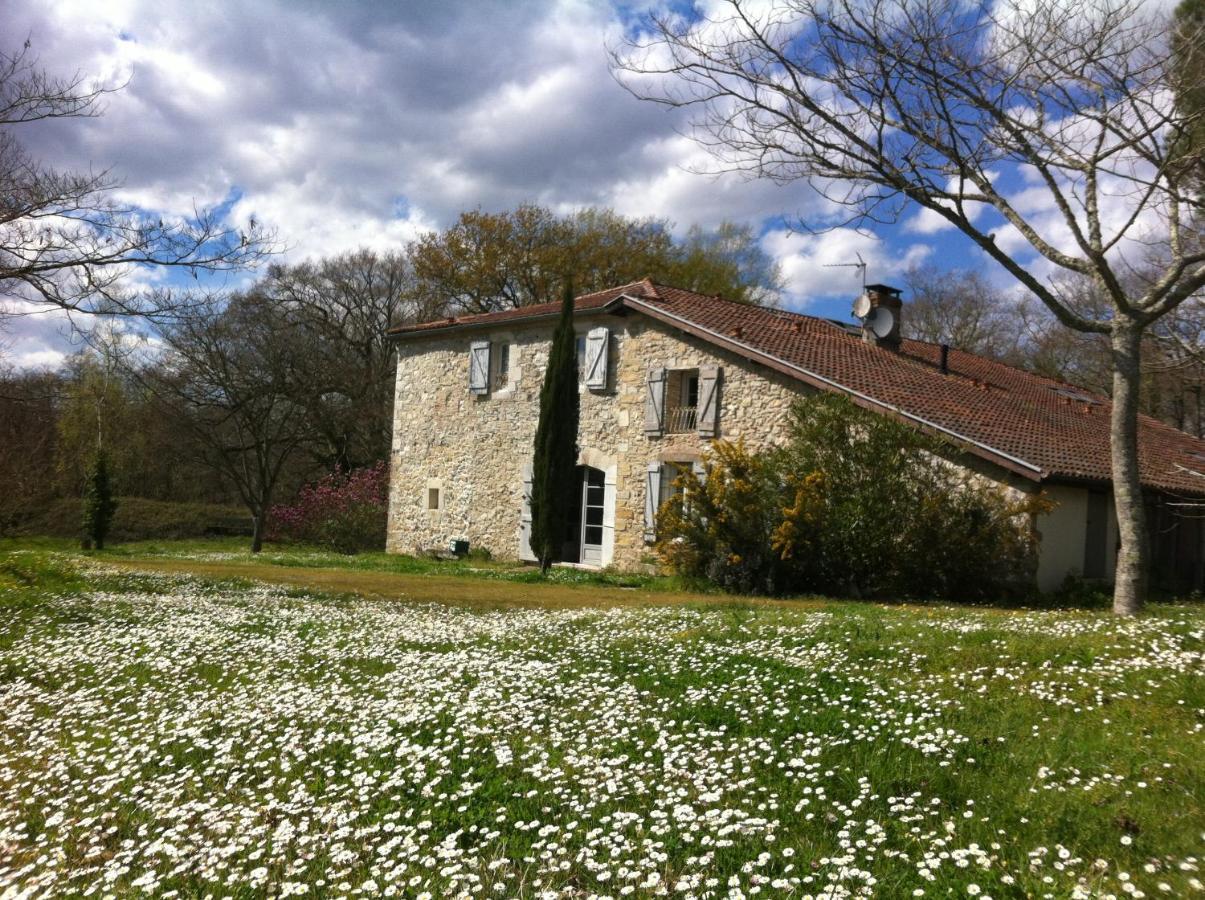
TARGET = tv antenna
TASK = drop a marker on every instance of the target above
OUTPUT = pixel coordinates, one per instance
(860, 265)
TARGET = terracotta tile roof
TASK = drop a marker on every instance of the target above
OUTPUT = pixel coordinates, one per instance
(1036, 426)
(581, 304)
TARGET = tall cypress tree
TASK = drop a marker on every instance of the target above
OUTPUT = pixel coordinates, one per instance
(554, 464)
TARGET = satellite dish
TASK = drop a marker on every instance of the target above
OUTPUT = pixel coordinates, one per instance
(880, 322)
(862, 306)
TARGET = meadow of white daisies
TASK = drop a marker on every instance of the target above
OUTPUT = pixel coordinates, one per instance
(168, 737)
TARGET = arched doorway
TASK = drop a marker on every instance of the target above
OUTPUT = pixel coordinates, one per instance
(584, 535)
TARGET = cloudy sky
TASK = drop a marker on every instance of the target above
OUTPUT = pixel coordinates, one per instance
(356, 124)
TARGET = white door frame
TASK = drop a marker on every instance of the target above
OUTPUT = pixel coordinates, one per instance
(609, 465)
(591, 554)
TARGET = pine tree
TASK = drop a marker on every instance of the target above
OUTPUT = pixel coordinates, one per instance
(99, 504)
(554, 464)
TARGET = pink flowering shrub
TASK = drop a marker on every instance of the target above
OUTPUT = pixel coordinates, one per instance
(343, 511)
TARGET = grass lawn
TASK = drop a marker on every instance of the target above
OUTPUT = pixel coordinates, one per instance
(187, 735)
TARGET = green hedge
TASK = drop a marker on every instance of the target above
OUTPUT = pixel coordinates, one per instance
(139, 519)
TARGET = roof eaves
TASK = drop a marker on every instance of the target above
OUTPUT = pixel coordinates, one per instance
(992, 454)
(402, 333)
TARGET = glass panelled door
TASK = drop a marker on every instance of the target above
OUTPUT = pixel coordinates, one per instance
(593, 493)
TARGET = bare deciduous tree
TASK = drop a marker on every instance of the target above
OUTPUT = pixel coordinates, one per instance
(962, 308)
(229, 375)
(29, 404)
(886, 105)
(339, 309)
(66, 241)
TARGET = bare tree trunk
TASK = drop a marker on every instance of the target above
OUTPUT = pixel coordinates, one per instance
(1129, 590)
(257, 532)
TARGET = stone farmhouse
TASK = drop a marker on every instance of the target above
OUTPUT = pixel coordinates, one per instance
(664, 372)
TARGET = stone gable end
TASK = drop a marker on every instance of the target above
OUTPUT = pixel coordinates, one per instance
(472, 450)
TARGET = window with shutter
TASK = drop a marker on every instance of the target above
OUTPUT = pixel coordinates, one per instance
(479, 367)
(652, 500)
(654, 403)
(709, 401)
(579, 349)
(500, 359)
(596, 358)
(671, 473)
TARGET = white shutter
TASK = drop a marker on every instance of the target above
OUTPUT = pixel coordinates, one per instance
(596, 358)
(608, 542)
(479, 367)
(525, 517)
(709, 401)
(652, 500)
(654, 403)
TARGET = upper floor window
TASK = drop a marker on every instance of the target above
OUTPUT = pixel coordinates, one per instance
(489, 367)
(682, 414)
(500, 360)
(678, 401)
(593, 358)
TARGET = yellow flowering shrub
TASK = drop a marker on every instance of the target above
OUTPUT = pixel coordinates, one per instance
(721, 526)
(857, 504)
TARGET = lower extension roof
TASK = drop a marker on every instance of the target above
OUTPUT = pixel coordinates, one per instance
(1036, 427)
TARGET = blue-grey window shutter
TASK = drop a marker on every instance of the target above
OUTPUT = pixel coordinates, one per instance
(654, 403)
(652, 500)
(596, 358)
(479, 367)
(709, 401)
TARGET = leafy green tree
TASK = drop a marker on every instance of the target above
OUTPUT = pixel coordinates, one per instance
(886, 515)
(490, 261)
(554, 464)
(99, 504)
(727, 260)
(97, 409)
(29, 403)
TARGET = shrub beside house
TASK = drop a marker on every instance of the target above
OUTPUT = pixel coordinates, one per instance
(855, 504)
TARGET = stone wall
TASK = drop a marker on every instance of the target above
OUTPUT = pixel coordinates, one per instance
(474, 448)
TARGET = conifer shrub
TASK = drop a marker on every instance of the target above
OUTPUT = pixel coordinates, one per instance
(856, 504)
(345, 512)
(99, 503)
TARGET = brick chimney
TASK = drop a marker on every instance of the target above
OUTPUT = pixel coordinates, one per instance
(883, 328)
